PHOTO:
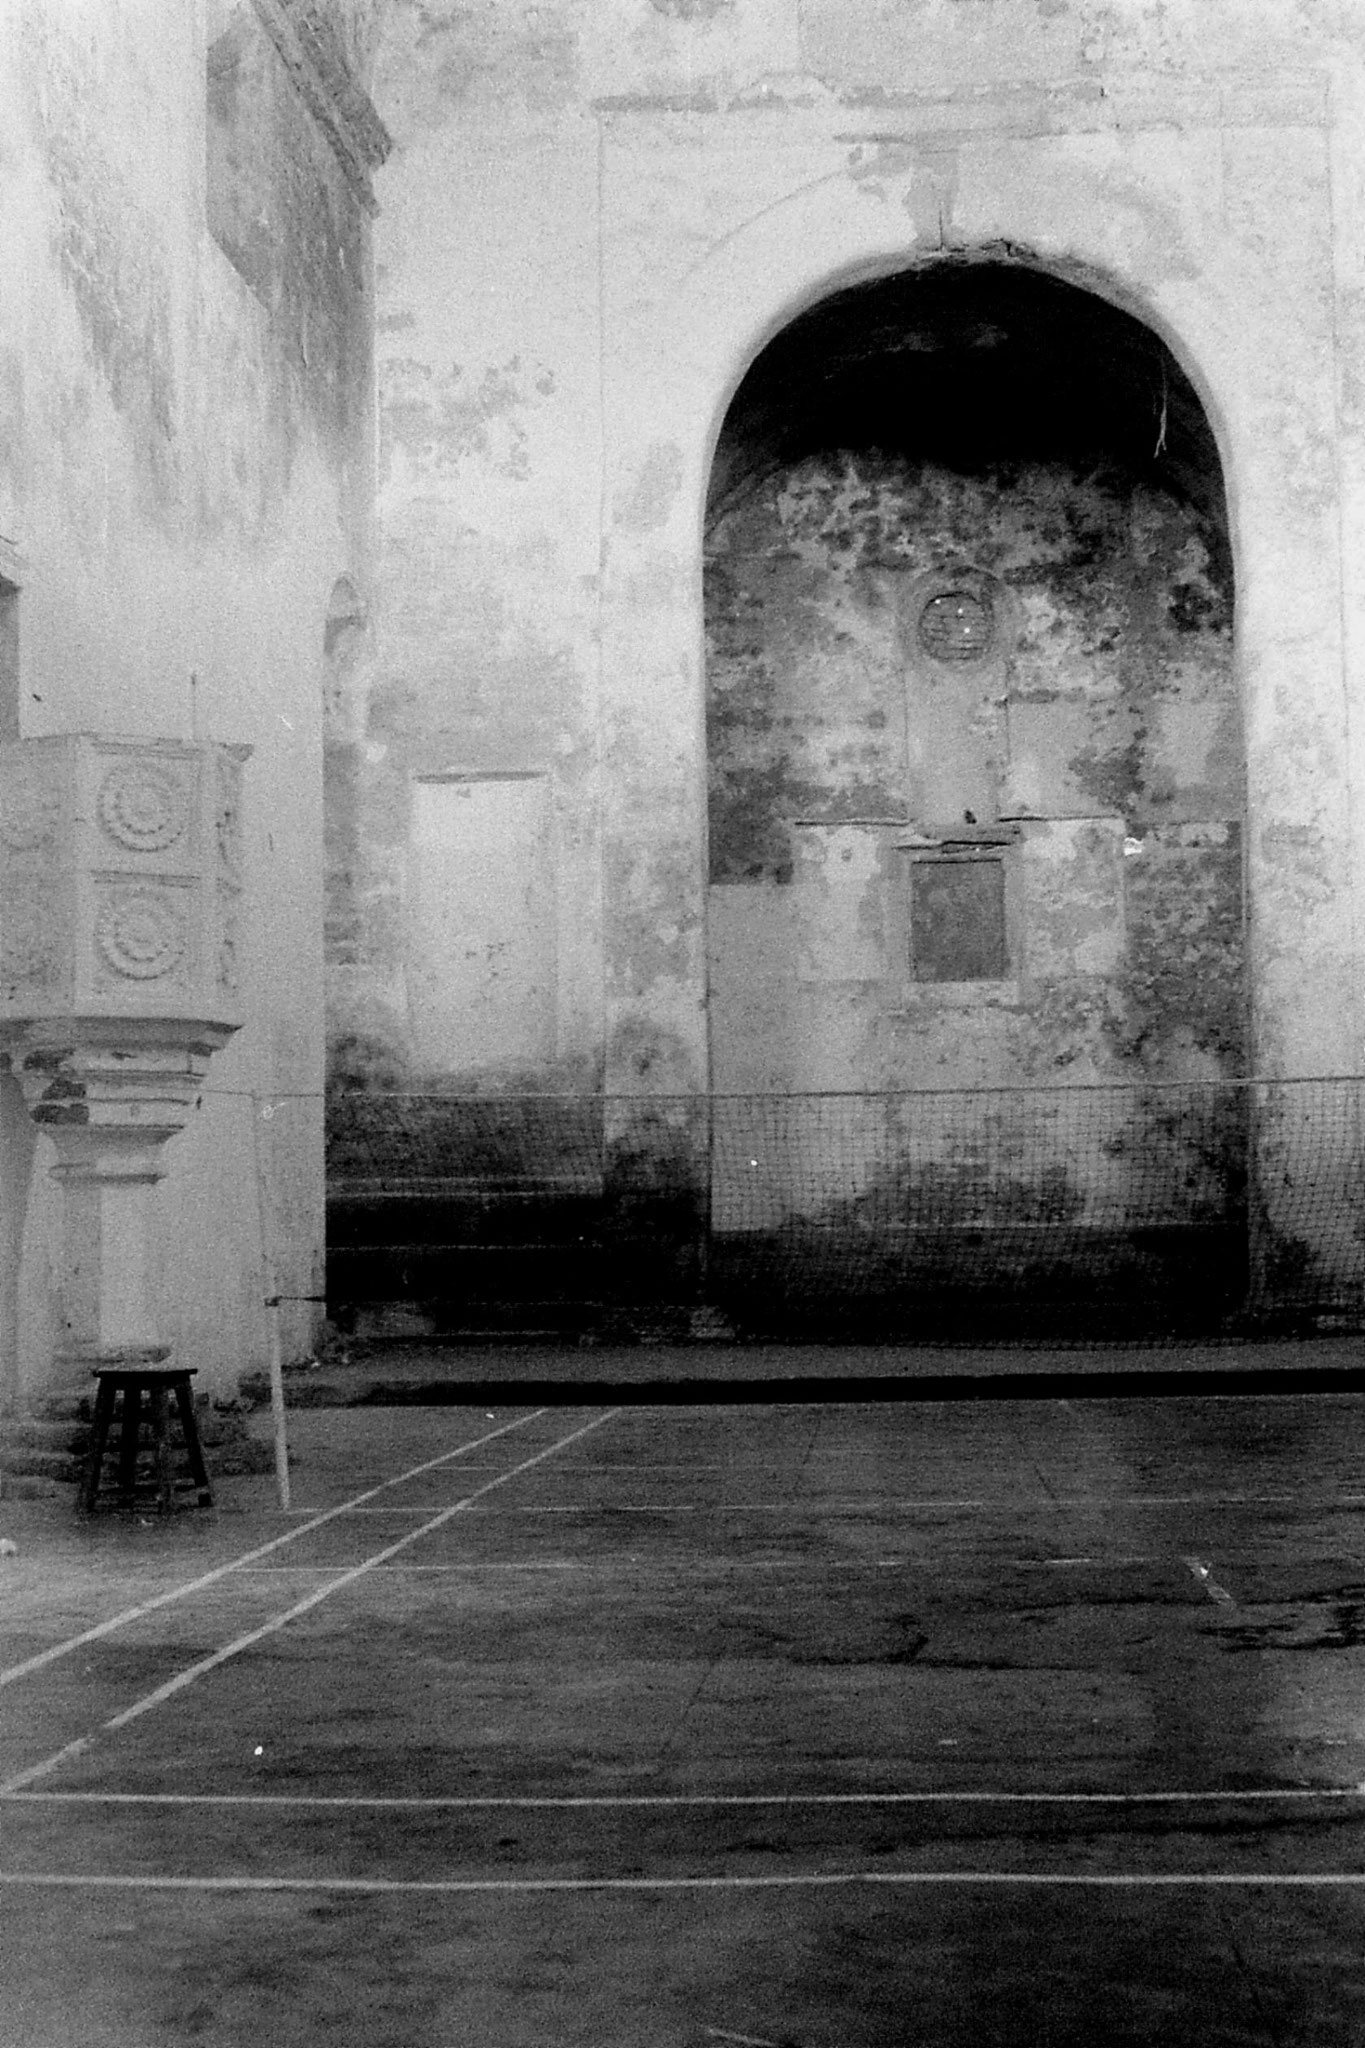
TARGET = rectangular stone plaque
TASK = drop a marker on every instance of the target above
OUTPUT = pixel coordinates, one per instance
(957, 920)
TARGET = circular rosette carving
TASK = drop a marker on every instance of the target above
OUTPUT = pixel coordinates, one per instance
(957, 625)
(29, 807)
(140, 934)
(143, 806)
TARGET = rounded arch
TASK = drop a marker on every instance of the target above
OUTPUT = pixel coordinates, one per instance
(831, 235)
(814, 303)
(985, 435)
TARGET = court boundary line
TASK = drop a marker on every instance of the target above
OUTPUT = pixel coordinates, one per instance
(731, 1881)
(83, 1743)
(863, 1504)
(669, 1801)
(729, 1567)
(682, 1561)
(129, 1615)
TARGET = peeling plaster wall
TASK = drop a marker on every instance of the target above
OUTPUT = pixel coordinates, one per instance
(184, 472)
(486, 658)
(598, 213)
(1105, 734)
(281, 210)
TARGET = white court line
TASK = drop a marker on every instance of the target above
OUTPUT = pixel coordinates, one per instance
(927, 1561)
(131, 1614)
(563, 1564)
(809, 1504)
(615, 1565)
(804, 1503)
(1034, 1564)
(1175, 1500)
(795, 1881)
(877, 1504)
(673, 1563)
(71, 1750)
(796, 1506)
(587, 1507)
(549, 1802)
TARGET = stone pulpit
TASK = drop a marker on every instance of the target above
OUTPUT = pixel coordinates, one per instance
(120, 901)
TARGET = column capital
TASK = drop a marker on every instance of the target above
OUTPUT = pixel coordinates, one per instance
(105, 1078)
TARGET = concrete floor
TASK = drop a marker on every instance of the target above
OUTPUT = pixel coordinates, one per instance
(823, 1726)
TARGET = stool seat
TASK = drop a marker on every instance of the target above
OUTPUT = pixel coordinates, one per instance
(158, 1486)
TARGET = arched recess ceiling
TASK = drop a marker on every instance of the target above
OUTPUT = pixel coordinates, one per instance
(971, 364)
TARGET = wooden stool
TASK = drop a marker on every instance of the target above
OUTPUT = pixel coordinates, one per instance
(161, 1487)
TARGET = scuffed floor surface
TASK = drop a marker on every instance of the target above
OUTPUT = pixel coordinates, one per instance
(851, 1726)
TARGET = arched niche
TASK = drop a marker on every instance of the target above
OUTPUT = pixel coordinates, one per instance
(974, 741)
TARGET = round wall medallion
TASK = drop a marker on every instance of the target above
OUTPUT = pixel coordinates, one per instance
(139, 935)
(142, 805)
(29, 809)
(957, 625)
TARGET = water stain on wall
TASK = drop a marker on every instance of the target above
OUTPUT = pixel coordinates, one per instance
(113, 256)
(1093, 751)
(285, 216)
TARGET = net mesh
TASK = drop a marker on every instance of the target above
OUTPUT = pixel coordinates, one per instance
(1011, 1212)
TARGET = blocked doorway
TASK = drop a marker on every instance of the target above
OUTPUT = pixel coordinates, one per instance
(976, 786)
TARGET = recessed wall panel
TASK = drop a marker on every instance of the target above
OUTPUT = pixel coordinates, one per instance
(480, 924)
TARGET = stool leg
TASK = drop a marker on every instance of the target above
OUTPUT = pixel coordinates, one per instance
(99, 1437)
(161, 1438)
(128, 1436)
(194, 1453)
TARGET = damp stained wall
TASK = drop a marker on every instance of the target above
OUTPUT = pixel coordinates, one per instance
(1012, 862)
(485, 658)
(185, 472)
(595, 217)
